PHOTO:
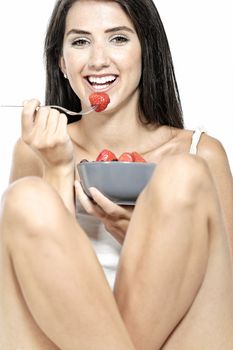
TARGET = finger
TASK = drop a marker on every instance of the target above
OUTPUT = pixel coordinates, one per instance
(84, 199)
(62, 127)
(53, 120)
(28, 115)
(110, 208)
(41, 119)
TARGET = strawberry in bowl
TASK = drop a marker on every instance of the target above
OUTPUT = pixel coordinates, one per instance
(121, 179)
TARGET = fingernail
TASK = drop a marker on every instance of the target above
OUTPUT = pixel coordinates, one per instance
(25, 102)
(76, 183)
(92, 191)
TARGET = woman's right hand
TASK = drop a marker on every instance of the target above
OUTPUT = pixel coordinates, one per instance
(44, 130)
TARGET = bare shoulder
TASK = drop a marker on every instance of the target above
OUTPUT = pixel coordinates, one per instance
(215, 155)
(212, 150)
(24, 162)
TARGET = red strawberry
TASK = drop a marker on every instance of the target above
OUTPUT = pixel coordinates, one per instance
(137, 157)
(126, 157)
(106, 156)
(99, 99)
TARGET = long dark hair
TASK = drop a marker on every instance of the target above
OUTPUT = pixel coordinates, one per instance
(159, 100)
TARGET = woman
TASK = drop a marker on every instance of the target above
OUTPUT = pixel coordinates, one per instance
(172, 286)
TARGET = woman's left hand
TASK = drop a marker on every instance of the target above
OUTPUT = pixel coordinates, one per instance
(114, 217)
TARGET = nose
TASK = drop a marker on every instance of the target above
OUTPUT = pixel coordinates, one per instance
(99, 57)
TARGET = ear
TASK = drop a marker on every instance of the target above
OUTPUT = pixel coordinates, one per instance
(62, 65)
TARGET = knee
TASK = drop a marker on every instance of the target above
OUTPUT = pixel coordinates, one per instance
(29, 202)
(180, 179)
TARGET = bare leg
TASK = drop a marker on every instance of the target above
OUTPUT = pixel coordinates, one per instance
(174, 283)
(61, 286)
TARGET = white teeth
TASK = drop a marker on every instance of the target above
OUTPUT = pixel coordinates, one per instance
(101, 80)
(100, 87)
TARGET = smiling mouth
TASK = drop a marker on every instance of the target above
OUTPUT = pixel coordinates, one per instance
(101, 82)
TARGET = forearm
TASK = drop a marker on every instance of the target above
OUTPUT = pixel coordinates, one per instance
(62, 180)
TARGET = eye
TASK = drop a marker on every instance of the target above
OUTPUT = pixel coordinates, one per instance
(80, 42)
(119, 39)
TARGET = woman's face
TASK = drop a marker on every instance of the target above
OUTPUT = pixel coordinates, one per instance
(101, 51)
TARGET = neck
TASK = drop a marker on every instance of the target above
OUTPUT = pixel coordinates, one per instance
(112, 131)
(120, 131)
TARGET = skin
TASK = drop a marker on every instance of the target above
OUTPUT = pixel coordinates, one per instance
(173, 287)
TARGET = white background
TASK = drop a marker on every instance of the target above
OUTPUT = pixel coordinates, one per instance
(200, 34)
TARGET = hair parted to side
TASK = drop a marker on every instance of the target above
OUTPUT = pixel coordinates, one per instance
(159, 101)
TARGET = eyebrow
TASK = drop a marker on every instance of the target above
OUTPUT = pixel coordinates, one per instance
(110, 30)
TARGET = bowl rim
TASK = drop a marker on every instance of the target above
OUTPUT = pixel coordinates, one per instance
(92, 163)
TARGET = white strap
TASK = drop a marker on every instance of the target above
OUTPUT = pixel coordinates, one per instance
(195, 139)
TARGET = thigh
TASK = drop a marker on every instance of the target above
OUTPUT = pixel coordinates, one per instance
(54, 288)
(175, 242)
(18, 328)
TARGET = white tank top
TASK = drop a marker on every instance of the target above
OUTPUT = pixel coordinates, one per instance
(106, 247)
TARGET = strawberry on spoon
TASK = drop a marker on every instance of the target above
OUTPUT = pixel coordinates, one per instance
(100, 100)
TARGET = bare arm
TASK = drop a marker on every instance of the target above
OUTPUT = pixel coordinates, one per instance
(213, 152)
(45, 150)
(24, 162)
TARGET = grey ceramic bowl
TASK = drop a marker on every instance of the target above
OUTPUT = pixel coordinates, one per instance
(121, 182)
